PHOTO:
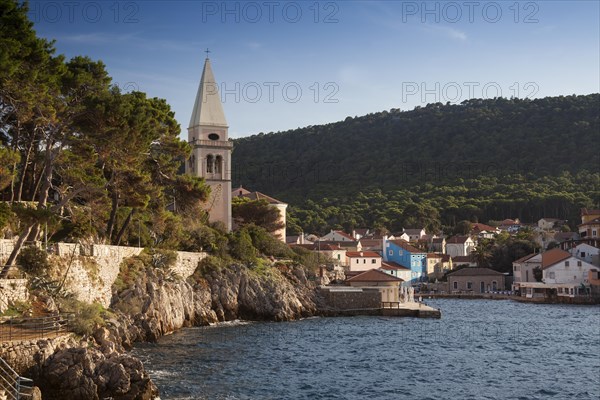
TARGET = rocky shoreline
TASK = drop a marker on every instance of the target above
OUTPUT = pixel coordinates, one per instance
(156, 304)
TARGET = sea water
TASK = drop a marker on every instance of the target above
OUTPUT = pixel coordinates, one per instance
(479, 349)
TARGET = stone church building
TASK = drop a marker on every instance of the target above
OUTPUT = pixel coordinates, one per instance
(211, 154)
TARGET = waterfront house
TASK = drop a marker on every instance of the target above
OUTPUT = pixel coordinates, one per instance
(561, 267)
(397, 270)
(403, 253)
(476, 280)
(523, 269)
(459, 246)
(363, 260)
(387, 284)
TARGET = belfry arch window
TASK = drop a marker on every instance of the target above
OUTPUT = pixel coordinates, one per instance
(192, 162)
(209, 163)
(218, 164)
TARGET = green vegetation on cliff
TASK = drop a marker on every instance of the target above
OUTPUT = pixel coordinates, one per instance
(435, 165)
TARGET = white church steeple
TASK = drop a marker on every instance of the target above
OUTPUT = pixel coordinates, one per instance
(211, 155)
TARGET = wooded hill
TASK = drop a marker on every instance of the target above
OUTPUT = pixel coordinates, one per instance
(478, 160)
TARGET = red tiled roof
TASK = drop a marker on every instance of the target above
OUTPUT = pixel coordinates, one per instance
(391, 266)
(434, 255)
(336, 243)
(344, 234)
(406, 246)
(482, 227)
(374, 275)
(445, 257)
(354, 254)
(553, 256)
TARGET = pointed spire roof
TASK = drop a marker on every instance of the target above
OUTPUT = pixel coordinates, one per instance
(207, 108)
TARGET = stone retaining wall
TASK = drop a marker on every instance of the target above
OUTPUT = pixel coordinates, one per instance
(27, 355)
(12, 290)
(352, 300)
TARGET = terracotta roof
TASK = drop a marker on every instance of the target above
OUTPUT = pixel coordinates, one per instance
(391, 266)
(508, 221)
(554, 256)
(445, 257)
(406, 246)
(362, 254)
(370, 242)
(374, 275)
(482, 227)
(457, 239)
(344, 234)
(474, 271)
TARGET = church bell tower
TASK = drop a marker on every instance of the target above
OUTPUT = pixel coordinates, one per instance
(211, 155)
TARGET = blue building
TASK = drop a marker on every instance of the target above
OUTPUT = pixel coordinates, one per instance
(403, 253)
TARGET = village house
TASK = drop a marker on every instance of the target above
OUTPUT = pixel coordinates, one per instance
(469, 261)
(348, 246)
(459, 246)
(413, 234)
(360, 233)
(587, 253)
(560, 267)
(331, 251)
(337, 236)
(363, 260)
(590, 228)
(548, 224)
(403, 253)
(510, 225)
(388, 285)
(279, 205)
(483, 231)
(438, 245)
(476, 280)
(523, 269)
(371, 244)
(397, 270)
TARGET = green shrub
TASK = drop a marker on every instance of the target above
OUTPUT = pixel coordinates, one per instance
(241, 248)
(86, 317)
(33, 260)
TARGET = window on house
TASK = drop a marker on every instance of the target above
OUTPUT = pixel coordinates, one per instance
(391, 252)
(566, 263)
(357, 260)
(515, 268)
(339, 257)
(455, 285)
(494, 285)
(469, 285)
(594, 233)
(364, 260)
(373, 261)
(551, 275)
(579, 263)
(583, 254)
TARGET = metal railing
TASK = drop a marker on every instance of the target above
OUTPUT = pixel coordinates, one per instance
(33, 328)
(14, 386)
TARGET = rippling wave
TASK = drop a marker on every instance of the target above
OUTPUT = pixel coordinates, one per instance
(480, 349)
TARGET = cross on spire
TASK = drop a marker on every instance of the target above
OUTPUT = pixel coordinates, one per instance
(207, 51)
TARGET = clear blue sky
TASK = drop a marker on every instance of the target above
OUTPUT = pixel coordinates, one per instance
(348, 58)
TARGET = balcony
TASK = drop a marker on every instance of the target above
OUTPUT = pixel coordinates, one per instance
(219, 144)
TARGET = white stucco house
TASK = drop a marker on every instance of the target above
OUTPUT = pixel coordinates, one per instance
(561, 267)
(459, 246)
(363, 260)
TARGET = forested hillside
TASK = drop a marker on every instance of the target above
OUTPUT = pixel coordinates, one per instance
(434, 165)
